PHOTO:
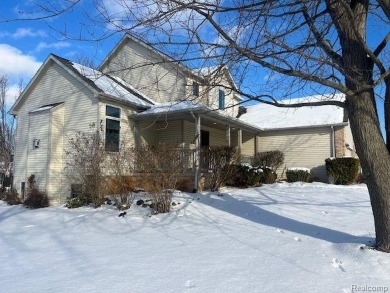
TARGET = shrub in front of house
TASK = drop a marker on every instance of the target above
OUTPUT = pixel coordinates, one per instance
(298, 175)
(35, 198)
(268, 176)
(11, 197)
(270, 159)
(75, 202)
(245, 176)
(342, 170)
(218, 165)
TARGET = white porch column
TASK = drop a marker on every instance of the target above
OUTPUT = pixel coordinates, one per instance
(228, 139)
(239, 143)
(197, 152)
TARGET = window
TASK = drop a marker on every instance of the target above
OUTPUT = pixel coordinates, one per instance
(221, 99)
(112, 129)
(113, 111)
(195, 89)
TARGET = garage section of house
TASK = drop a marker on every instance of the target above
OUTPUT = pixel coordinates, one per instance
(307, 135)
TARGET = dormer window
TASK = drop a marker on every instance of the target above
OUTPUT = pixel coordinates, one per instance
(195, 89)
(221, 99)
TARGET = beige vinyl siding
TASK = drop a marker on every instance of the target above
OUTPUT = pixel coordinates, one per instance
(146, 132)
(37, 158)
(248, 144)
(350, 150)
(148, 72)
(231, 107)
(302, 148)
(56, 85)
(56, 158)
(189, 133)
(169, 132)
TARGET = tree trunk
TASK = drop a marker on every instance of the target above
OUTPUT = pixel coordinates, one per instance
(375, 162)
(361, 108)
(387, 112)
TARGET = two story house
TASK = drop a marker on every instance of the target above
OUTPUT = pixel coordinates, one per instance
(139, 95)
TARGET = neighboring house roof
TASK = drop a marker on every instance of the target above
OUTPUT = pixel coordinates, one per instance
(186, 107)
(268, 117)
(101, 84)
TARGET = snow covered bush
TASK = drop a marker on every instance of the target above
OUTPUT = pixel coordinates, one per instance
(298, 174)
(271, 159)
(268, 176)
(35, 198)
(342, 170)
(245, 176)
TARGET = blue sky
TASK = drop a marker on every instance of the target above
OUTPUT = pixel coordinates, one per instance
(24, 45)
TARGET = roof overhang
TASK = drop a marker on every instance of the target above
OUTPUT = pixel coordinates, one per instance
(209, 117)
(107, 97)
(305, 127)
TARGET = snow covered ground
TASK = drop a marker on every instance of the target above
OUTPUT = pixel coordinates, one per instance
(276, 238)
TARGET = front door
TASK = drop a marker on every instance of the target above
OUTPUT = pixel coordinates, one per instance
(204, 138)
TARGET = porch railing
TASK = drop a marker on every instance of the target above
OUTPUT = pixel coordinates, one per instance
(184, 160)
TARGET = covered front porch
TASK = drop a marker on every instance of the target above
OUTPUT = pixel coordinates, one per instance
(196, 129)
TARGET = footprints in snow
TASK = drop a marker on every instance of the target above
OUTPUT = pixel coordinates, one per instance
(282, 232)
(335, 261)
(190, 284)
(338, 264)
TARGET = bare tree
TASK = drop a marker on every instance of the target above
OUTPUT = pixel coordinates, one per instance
(6, 129)
(321, 46)
(84, 163)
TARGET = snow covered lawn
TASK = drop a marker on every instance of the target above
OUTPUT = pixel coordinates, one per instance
(276, 238)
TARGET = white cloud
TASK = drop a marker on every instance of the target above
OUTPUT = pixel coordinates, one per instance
(28, 32)
(58, 45)
(24, 32)
(15, 64)
(12, 94)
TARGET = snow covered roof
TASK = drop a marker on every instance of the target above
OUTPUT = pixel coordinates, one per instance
(268, 117)
(113, 86)
(186, 107)
(174, 107)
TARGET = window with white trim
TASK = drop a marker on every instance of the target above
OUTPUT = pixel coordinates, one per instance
(112, 128)
(221, 99)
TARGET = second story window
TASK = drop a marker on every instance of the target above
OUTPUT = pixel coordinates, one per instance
(112, 129)
(221, 99)
(195, 89)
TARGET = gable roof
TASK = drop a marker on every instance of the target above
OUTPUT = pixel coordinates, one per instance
(202, 73)
(268, 117)
(99, 83)
(105, 84)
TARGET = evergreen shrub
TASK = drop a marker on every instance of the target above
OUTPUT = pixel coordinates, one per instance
(342, 170)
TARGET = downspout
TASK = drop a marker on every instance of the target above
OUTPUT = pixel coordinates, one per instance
(333, 141)
(197, 150)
